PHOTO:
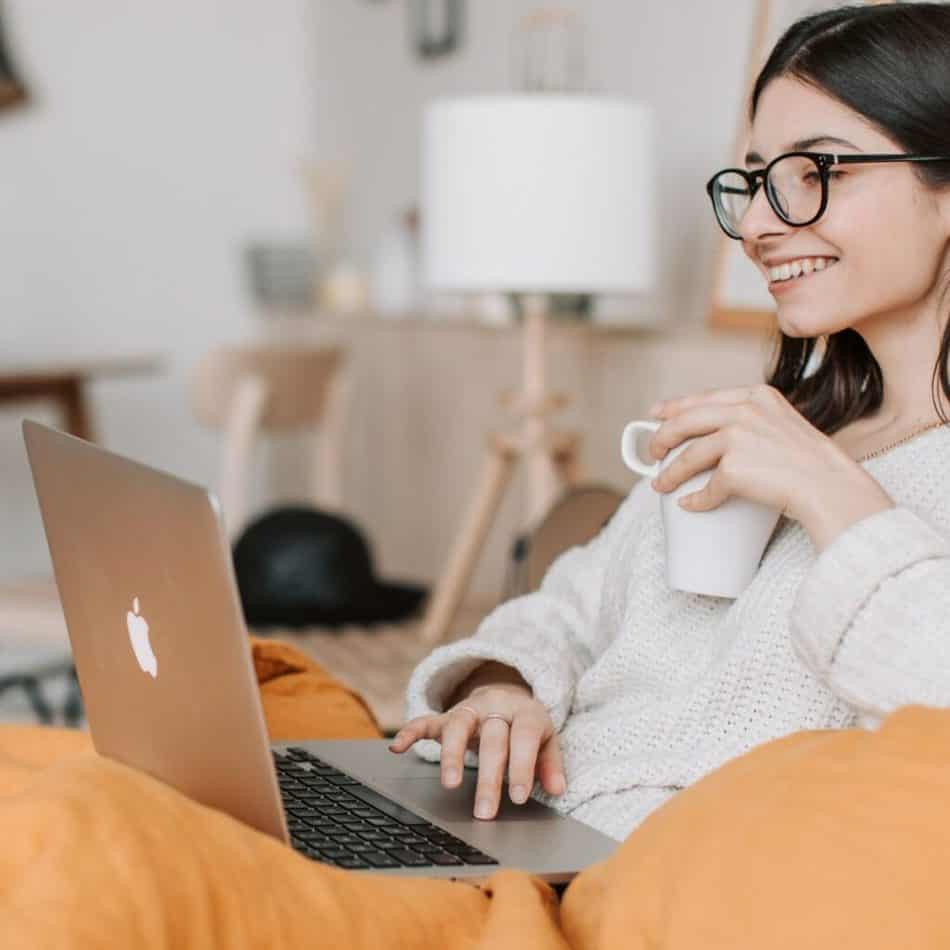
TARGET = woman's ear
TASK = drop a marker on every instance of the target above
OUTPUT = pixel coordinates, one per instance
(943, 207)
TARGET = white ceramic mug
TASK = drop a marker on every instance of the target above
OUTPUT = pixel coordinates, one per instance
(707, 552)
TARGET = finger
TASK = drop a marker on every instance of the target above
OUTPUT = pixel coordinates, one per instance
(661, 404)
(422, 727)
(699, 456)
(527, 736)
(712, 397)
(460, 725)
(492, 759)
(551, 767)
(694, 423)
(712, 495)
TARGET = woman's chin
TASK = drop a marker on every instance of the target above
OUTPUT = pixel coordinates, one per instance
(795, 322)
(795, 328)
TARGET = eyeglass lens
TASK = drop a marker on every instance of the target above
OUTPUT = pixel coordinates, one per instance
(793, 188)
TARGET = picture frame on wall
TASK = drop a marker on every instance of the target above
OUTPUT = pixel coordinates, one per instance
(739, 298)
(436, 27)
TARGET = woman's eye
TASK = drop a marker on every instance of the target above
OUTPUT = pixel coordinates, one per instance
(834, 175)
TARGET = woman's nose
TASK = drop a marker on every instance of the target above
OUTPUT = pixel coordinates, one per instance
(760, 219)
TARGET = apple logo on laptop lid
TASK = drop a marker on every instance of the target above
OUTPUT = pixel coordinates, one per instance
(138, 636)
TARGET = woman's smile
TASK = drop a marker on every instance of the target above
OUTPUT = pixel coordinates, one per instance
(784, 277)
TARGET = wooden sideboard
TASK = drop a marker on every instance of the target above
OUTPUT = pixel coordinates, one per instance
(422, 396)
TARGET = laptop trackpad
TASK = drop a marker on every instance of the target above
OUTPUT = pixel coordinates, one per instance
(457, 804)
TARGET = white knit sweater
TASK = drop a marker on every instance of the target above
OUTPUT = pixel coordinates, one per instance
(650, 688)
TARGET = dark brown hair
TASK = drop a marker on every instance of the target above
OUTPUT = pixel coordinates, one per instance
(891, 64)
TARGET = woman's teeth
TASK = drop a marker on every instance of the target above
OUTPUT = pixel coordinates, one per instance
(804, 265)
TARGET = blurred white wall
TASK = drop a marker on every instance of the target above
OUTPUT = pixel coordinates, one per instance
(160, 136)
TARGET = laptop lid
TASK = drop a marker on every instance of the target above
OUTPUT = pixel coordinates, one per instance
(159, 642)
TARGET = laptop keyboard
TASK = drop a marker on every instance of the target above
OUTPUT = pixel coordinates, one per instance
(334, 818)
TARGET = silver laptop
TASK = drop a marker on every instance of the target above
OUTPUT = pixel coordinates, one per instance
(145, 577)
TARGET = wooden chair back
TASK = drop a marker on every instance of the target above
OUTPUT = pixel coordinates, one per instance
(246, 390)
(576, 517)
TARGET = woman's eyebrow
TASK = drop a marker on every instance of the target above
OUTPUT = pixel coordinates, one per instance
(803, 145)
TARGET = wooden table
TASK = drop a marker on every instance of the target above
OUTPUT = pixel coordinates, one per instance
(63, 381)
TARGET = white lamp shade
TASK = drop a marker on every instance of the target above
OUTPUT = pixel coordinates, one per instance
(537, 194)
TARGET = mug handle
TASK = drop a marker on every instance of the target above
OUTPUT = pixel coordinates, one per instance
(628, 448)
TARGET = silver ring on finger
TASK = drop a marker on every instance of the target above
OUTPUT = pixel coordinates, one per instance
(494, 715)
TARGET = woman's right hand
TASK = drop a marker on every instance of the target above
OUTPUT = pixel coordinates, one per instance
(511, 731)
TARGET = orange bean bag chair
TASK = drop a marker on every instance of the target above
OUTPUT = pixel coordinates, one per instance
(821, 839)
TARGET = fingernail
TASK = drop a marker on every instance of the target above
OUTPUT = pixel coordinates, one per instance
(559, 785)
(686, 501)
(483, 809)
(519, 794)
(452, 777)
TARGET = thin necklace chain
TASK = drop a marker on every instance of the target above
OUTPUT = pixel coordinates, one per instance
(893, 445)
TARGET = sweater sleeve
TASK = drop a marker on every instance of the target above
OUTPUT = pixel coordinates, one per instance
(872, 617)
(549, 636)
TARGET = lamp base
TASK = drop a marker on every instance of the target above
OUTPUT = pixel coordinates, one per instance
(551, 457)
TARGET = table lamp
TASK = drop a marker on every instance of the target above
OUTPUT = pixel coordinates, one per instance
(530, 195)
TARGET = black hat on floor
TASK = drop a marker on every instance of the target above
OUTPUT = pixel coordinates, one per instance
(299, 566)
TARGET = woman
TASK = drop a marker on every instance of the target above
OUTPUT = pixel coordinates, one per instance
(644, 690)
(613, 691)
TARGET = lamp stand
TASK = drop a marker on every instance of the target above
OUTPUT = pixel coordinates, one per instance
(550, 456)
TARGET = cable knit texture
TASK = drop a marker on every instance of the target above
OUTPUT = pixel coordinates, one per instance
(651, 688)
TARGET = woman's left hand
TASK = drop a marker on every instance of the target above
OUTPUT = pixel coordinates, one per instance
(762, 449)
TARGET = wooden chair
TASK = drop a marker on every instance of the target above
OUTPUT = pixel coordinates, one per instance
(575, 518)
(246, 390)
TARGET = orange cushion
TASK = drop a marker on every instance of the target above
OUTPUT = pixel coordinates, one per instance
(821, 839)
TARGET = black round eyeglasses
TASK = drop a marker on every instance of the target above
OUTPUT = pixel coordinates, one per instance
(796, 186)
